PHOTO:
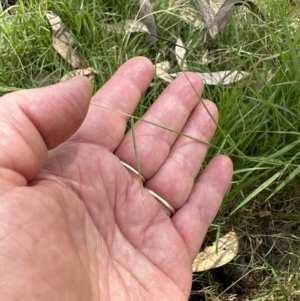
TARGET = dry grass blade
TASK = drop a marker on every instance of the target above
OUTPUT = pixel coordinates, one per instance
(146, 16)
(180, 52)
(220, 253)
(137, 158)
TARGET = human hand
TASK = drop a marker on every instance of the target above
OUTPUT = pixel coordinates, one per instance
(73, 222)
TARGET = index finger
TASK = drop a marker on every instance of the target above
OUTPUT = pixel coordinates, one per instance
(121, 93)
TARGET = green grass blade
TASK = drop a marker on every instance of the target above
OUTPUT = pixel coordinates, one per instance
(258, 190)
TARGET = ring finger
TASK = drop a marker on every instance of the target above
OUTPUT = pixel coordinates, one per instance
(175, 178)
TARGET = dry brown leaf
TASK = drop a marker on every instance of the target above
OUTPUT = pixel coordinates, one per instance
(59, 30)
(223, 77)
(216, 20)
(146, 16)
(180, 52)
(216, 4)
(55, 21)
(217, 254)
(162, 74)
(206, 11)
(77, 72)
(258, 243)
(165, 65)
(62, 40)
(66, 52)
(205, 57)
(261, 213)
(218, 14)
(222, 17)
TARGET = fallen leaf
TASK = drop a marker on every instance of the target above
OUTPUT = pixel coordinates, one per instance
(222, 18)
(180, 52)
(77, 72)
(223, 77)
(62, 41)
(55, 21)
(220, 253)
(146, 16)
(258, 243)
(216, 4)
(206, 11)
(261, 213)
(216, 17)
(165, 65)
(204, 58)
(162, 74)
(66, 52)
(59, 30)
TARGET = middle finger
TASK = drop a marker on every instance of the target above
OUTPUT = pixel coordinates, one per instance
(171, 110)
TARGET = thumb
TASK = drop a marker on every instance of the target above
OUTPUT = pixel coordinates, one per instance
(34, 121)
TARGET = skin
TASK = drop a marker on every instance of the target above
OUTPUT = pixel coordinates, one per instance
(73, 222)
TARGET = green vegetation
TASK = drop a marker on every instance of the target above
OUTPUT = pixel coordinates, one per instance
(259, 126)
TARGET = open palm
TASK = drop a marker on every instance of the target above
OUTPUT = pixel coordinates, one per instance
(74, 222)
